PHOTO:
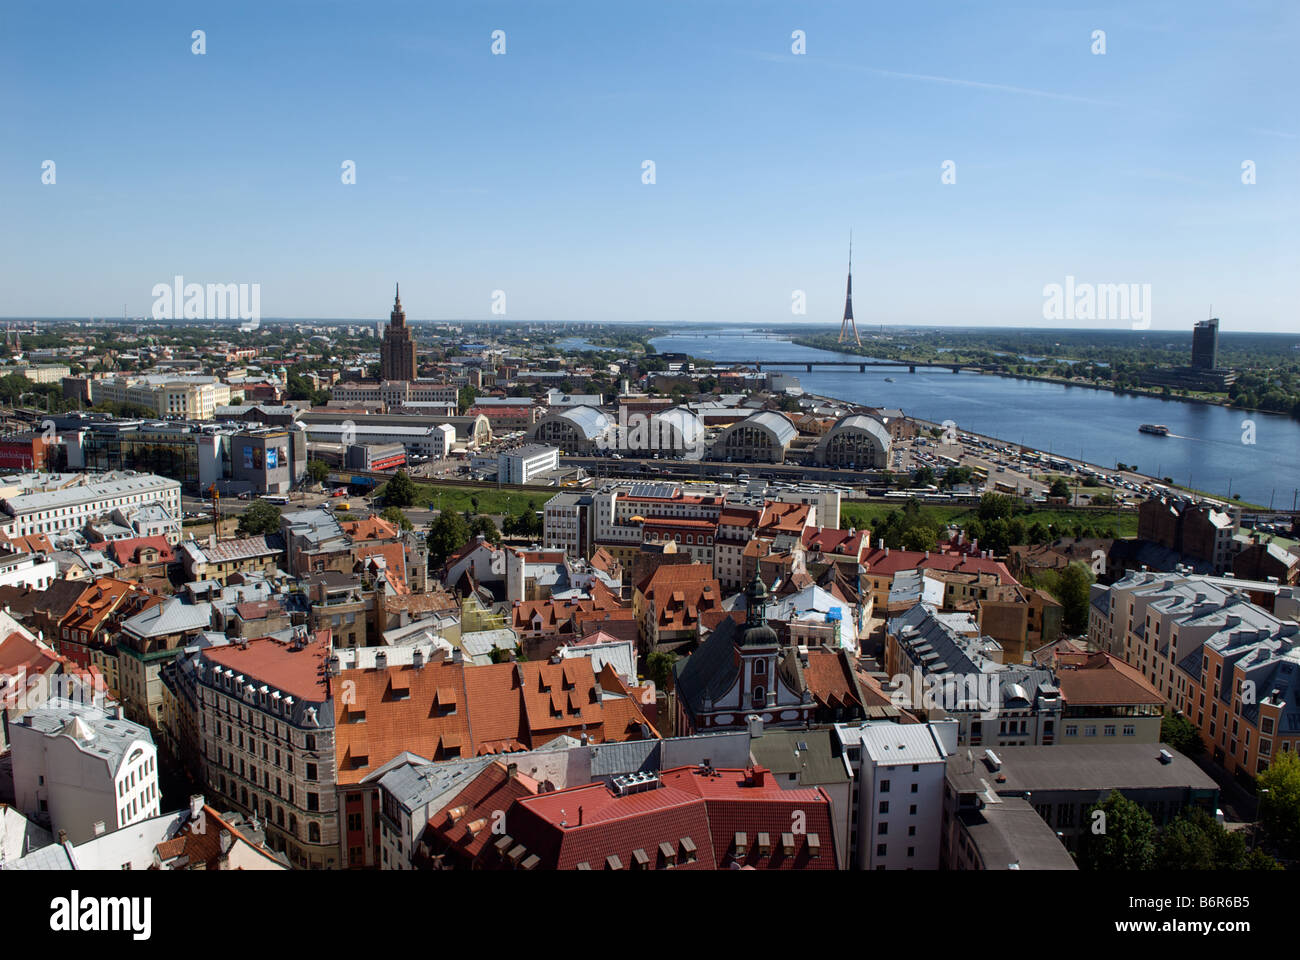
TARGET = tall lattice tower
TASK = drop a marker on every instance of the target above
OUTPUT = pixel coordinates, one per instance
(848, 324)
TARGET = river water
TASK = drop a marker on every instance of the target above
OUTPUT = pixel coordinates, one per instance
(1206, 448)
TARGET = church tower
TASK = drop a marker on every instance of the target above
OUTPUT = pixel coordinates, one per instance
(758, 649)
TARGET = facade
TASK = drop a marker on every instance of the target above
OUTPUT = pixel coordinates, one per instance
(265, 722)
(56, 503)
(397, 353)
(522, 464)
(82, 769)
(1223, 662)
(166, 395)
(1205, 345)
(899, 778)
(856, 441)
(575, 430)
(762, 437)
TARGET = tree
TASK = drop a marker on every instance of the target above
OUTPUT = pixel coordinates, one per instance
(1196, 841)
(659, 667)
(260, 518)
(448, 532)
(400, 491)
(395, 516)
(1071, 588)
(1059, 489)
(1123, 838)
(1279, 803)
(465, 398)
(318, 470)
(994, 506)
(1177, 731)
(484, 525)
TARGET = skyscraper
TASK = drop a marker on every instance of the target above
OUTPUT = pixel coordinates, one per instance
(397, 352)
(1205, 345)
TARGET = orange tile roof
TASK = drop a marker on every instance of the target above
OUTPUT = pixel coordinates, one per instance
(301, 673)
(467, 823)
(372, 527)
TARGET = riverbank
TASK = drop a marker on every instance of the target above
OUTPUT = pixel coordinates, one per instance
(1154, 394)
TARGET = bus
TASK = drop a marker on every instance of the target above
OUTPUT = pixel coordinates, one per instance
(278, 501)
(1002, 486)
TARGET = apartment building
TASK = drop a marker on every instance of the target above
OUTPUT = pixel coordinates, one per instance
(898, 771)
(58, 503)
(1225, 663)
(83, 769)
(263, 715)
(167, 395)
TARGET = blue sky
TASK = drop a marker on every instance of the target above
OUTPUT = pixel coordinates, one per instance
(523, 172)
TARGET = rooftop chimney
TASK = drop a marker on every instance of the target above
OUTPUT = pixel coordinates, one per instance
(417, 658)
(196, 806)
(512, 770)
(381, 660)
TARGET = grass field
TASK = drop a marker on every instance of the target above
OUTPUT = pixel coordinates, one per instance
(492, 502)
(870, 514)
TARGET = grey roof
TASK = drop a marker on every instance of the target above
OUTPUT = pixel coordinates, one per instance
(1096, 768)
(777, 424)
(811, 754)
(1011, 832)
(170, 616)
(860, 421)
(589, 421)
(110, 738)
(414, 786)
(632, 756)
(711, 670)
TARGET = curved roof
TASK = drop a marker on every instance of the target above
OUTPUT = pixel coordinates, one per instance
(860, 421)
(684, 421)
(778, 425)
(591, 422)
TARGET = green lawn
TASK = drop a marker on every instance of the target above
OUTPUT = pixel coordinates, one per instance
(494, 502)
(870, 514)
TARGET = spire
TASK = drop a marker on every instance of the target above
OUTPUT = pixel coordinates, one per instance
(398, 317)
(848, 323)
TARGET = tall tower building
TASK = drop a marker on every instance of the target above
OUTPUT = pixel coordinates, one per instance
(397, 352)
(848, 324)
(1205, 345)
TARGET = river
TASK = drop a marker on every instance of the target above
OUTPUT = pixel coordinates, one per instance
(1206, 448)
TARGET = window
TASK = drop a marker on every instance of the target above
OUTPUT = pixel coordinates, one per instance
(313, 801)
(884, 806)
(884, 786)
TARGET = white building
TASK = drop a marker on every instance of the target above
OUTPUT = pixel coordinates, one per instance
(82, 769)
(57, 503)
(522, 464)
(898, 804)
(27, 570)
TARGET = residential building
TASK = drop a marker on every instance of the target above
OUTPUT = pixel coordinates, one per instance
(82, 769)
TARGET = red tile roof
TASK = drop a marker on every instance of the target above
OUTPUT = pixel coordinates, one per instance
(301, 673)
(878, 564)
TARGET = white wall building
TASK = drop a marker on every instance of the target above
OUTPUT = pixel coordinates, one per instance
(522, 464)
(82, 769)
(899, 769)
(58, 503)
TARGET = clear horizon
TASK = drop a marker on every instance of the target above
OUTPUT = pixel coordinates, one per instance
(522, 172)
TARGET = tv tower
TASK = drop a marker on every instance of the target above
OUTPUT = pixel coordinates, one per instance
(848, 323)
